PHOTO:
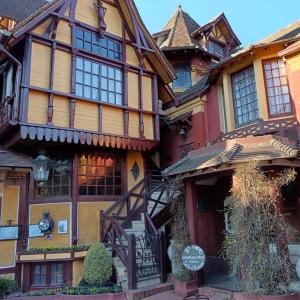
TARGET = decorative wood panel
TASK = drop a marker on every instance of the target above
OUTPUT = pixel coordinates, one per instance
(42, 27)
(38, 108)
(132, 157)
(113, 20)
(89, 213)
(112, 121)
(61, 113)
(9, 211)
(58, 211)
(86, 13)
(40, 66)
(147, 93)
(133, 90)
(134, 124)
(86, 116)
(148, 127)
(63, 33)
(62, 71)
(131, 56)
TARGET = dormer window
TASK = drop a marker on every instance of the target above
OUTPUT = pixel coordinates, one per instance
(183, 73)
(216, 48)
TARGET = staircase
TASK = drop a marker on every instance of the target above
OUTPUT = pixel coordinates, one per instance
(127, 231)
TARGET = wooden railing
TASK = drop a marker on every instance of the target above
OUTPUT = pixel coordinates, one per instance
(260, 127)
(123, 211)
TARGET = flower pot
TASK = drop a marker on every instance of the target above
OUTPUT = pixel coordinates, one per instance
(186, 289)
(246, 296)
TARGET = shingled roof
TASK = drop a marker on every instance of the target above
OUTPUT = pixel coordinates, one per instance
(179, 31)
(9, 159)
(19, 10)
(260, 148)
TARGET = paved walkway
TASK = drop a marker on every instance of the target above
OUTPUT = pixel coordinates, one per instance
(165, 296)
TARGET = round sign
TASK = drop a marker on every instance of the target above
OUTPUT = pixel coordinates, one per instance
(193, 258)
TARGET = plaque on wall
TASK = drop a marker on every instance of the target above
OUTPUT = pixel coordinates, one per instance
(9, 232)
(62, 227)
(35, 231)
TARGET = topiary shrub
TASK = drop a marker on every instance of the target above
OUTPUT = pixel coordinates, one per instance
(97, 266)
(7, 286)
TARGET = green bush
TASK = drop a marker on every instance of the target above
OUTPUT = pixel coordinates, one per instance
(97, 267)
(7, 286)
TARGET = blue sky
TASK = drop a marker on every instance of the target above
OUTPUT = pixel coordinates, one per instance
(251, 20)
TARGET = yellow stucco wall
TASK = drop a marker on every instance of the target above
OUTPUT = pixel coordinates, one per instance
(89, 221)
(9, 211)
(58, 211)
(77, 272)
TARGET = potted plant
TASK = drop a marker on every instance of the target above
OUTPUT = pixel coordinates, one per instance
(184, 284)
(256, 246)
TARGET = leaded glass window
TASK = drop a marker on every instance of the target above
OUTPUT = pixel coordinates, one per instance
(244, 96)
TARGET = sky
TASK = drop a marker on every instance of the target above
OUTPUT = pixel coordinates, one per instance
(250, 20)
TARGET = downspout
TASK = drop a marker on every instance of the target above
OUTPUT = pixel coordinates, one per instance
(4, 37)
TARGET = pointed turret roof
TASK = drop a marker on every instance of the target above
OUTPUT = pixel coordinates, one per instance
(179, 31)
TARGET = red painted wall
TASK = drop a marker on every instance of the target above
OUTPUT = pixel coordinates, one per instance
(206, 128)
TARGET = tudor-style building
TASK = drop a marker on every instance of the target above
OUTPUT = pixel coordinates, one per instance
(81, 82)
(252, 99)
(190, 121)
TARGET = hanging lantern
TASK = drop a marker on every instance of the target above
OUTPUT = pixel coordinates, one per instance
(41, 168)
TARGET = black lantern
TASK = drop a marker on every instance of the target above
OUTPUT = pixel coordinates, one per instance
(41, 168)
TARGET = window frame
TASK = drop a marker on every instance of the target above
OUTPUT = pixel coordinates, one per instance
(276, 115)
(237, 125)
(100, 77)
(54, 199)
(188, 64)
(124, 173)
(49, 265)
(219, 43)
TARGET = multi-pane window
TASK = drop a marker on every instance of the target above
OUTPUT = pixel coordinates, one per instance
(100, 175)
(99, 82)
(56, 275)
(244, 96)
(58, 183)
(92, 42)
(183, 74)
(215, 48)
(45, 275)
(277, 87)
(40, 275)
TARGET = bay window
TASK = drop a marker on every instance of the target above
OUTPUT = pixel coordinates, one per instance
(99, 81)
(277, 88)
(244, 96)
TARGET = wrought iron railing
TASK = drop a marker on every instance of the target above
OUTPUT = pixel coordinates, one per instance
(186, 148)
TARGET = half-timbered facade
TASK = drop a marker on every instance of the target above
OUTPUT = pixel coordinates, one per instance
(81, 83)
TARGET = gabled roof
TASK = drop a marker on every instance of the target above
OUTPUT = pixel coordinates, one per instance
(225, 28)
(165, 69)
(259, 148)
(179, 31)
(19, 10)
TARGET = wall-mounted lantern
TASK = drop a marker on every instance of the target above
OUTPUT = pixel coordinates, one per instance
(41, 168)
(182, 130)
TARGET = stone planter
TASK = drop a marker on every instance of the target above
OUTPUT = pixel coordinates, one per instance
(108, 296)
(186, 289)
(245, 296)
